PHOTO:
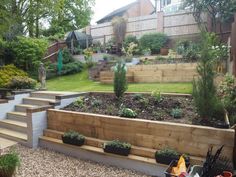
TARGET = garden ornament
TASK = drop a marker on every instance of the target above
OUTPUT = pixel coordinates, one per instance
(42, 76)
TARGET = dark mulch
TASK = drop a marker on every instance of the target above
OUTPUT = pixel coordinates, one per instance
(146, 107)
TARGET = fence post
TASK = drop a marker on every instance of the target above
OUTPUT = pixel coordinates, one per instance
(234, 155)
(87, 43)
(104, 42)
(160, 22)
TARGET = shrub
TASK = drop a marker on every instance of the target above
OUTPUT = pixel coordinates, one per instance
(28, 52)
(120, 82)
(67, 57)
(8, 164)
(157, 96)
(8, 72)
(137, 96)
(96, 103)
(72, 68)
(154, 41)
(73, 137)
(126, 112)
(19, 82)
(130, 39)
(176, 113)
(79, 102)
(117, 147)
(188, 50)
(227, 92)
(144, 102)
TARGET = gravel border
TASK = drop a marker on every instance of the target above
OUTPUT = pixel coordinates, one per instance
(46, 163)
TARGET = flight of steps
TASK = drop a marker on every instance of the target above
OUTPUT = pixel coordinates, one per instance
(14, 126)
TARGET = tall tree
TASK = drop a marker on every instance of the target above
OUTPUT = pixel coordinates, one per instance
(219, 11)
(27, 15)
(70, 15)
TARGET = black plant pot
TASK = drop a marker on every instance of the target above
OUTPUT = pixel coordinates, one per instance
(115, 150)
(165, 159)
(73, 141)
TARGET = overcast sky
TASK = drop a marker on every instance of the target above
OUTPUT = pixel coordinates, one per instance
(104, 7)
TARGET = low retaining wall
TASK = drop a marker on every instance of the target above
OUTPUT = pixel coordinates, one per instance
(190, 139)
(181, 72)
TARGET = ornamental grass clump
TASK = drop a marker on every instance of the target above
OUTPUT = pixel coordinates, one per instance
(120, 81)
(8, 164)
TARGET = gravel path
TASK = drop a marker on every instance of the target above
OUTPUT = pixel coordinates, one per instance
(44, 163)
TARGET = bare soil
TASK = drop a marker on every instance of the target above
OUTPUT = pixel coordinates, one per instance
(146, 106)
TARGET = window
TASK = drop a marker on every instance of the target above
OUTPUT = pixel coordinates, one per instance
(165, 3)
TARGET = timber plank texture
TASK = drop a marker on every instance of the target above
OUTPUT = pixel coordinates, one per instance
(181, 72)
(189, 139)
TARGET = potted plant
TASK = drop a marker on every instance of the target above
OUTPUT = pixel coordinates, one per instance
(166, 156)
(117, 147)
(8, 164)
(73, 138)
(164, 51)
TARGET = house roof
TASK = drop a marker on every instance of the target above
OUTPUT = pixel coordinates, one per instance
(117, 12)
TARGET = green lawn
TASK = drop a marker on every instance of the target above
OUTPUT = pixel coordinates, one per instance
(80, 82)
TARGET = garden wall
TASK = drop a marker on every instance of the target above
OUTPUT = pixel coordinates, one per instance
(182, 72)
(190, 139)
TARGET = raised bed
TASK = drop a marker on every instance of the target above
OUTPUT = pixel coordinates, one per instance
(189, 139)
(178, 108)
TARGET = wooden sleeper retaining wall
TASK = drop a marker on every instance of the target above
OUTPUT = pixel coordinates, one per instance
(189, 139)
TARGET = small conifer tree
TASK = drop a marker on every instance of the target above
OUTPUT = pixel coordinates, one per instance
(120, 82)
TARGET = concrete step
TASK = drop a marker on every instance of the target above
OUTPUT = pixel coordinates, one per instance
(13, 135)
(17, 116)
(39, 101)
(14, 125)
(23, 107)
(5, 143)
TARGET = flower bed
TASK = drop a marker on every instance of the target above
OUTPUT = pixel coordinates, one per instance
(155, 107)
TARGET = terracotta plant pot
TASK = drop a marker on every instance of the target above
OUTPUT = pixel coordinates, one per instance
(164, 51)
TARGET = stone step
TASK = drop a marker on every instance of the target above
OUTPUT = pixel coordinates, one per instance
(13, 135)
(5, 143)
(46, 95)
(49, 94)
(23, 107)
(39, 101)
(17, 116)
(14, 125)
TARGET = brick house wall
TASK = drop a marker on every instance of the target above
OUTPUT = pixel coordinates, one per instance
(141, 8)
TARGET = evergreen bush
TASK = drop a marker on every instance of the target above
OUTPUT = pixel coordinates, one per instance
(153, 41)
(120, 81)
(204, 89)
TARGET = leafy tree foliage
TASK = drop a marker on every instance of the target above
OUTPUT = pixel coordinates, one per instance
(28, 16)
(218, 10)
